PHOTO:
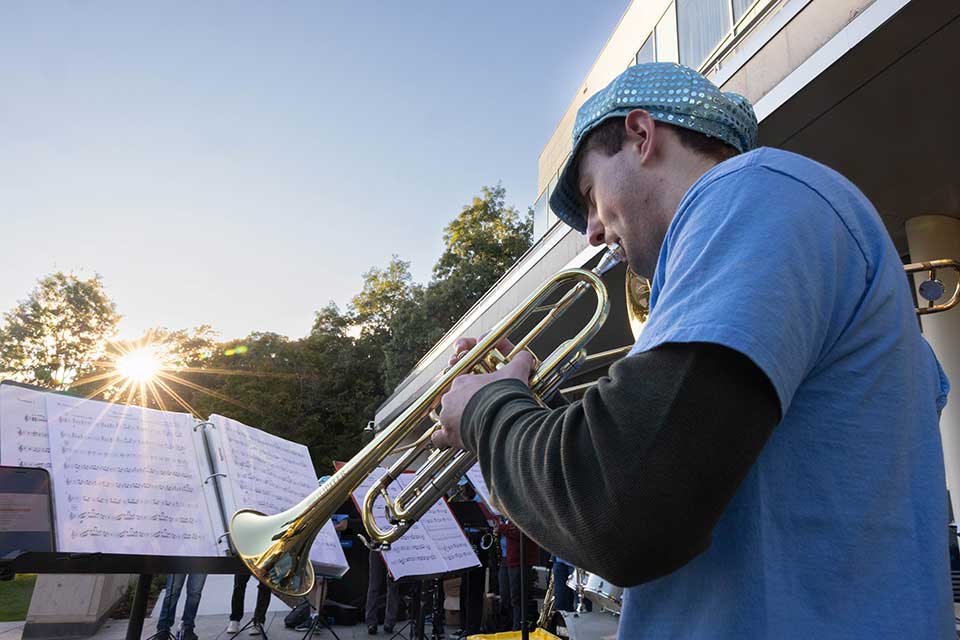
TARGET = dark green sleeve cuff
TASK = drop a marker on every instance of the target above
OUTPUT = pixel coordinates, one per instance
(483, 407)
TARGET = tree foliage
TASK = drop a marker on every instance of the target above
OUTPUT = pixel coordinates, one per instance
(59, 333)
(480, 244)
(385, 293)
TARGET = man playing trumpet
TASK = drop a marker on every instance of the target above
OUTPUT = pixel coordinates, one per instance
(766, 463)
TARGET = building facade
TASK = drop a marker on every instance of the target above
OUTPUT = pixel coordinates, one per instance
(864, 86)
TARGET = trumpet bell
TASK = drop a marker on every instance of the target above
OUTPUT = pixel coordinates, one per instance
(638, 302)
(286, 571)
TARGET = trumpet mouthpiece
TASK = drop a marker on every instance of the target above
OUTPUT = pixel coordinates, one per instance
(611, 258)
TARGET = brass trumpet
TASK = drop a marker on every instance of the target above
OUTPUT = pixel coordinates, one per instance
(276, 548)
(932, 288)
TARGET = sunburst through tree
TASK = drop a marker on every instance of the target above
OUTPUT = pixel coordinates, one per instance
(152, 371)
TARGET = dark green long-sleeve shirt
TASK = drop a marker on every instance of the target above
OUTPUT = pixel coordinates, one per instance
(628, 482)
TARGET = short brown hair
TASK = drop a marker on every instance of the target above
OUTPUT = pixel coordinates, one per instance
(609, 136)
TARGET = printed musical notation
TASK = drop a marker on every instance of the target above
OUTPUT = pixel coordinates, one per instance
(142, 498)
(133, 534)
(24, 438)
(434, 544)
(271, 475)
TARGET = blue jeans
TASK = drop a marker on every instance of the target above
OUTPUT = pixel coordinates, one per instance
(168, 612)
(563, 595)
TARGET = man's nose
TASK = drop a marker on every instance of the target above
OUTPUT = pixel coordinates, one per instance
(594, 231)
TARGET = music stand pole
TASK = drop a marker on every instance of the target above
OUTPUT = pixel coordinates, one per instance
(139, 608)
(319, 620)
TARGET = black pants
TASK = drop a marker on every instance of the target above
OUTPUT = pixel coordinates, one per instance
(380, 582)
(471, 600)
(515, 596)
(236, 600)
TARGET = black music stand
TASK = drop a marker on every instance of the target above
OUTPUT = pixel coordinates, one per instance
(437, 616)
(414, 627)
(318, 620)
(409, 629)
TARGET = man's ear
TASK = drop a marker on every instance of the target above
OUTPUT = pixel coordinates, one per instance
(641, 132)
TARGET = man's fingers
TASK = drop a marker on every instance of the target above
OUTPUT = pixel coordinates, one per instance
(519, 367)
(504, 346)
(439, 439)
(463, 344)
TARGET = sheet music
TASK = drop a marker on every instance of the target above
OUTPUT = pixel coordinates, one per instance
(448, 538)
(24, 437)
(433, 545)
(270, 474)
(475, 476)
(126, 480)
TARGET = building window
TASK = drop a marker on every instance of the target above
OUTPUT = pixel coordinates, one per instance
(551, 217)
(540, 216)
(702, 24)
(666, 36)
(740, 7)
(646, 52)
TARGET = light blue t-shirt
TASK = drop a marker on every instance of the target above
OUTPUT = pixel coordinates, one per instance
(840, 528)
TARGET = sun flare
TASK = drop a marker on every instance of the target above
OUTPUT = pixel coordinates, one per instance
(141, 365)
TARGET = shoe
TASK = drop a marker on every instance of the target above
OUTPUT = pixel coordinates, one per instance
(372, 630)
(188, 634)
(388, 628)
(233, 627)
(256, 629)
(306, 625)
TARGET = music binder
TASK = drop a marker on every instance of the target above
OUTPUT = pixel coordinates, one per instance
(134, 480)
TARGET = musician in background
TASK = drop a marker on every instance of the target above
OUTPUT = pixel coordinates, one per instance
(514, 568)
(563, 596)
(240, 581)
(505, 618)
(168, 611)
(766, 462)
(381, 586)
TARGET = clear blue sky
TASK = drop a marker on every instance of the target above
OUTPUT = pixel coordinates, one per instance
(241, 164)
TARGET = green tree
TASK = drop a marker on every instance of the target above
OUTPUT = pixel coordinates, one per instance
(485, 239)
(253, 380)
(480, 245)
(385, 292)
(59, 333)
(342, 387)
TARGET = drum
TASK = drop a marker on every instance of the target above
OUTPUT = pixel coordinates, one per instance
(598, 590)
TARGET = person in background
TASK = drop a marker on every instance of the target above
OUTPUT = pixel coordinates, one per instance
(236, 605)
(503, 579)
(381, 581)
(512, 534)
(168, 611)
(563, 595)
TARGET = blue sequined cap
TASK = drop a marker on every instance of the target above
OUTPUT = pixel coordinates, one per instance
(671, 93)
